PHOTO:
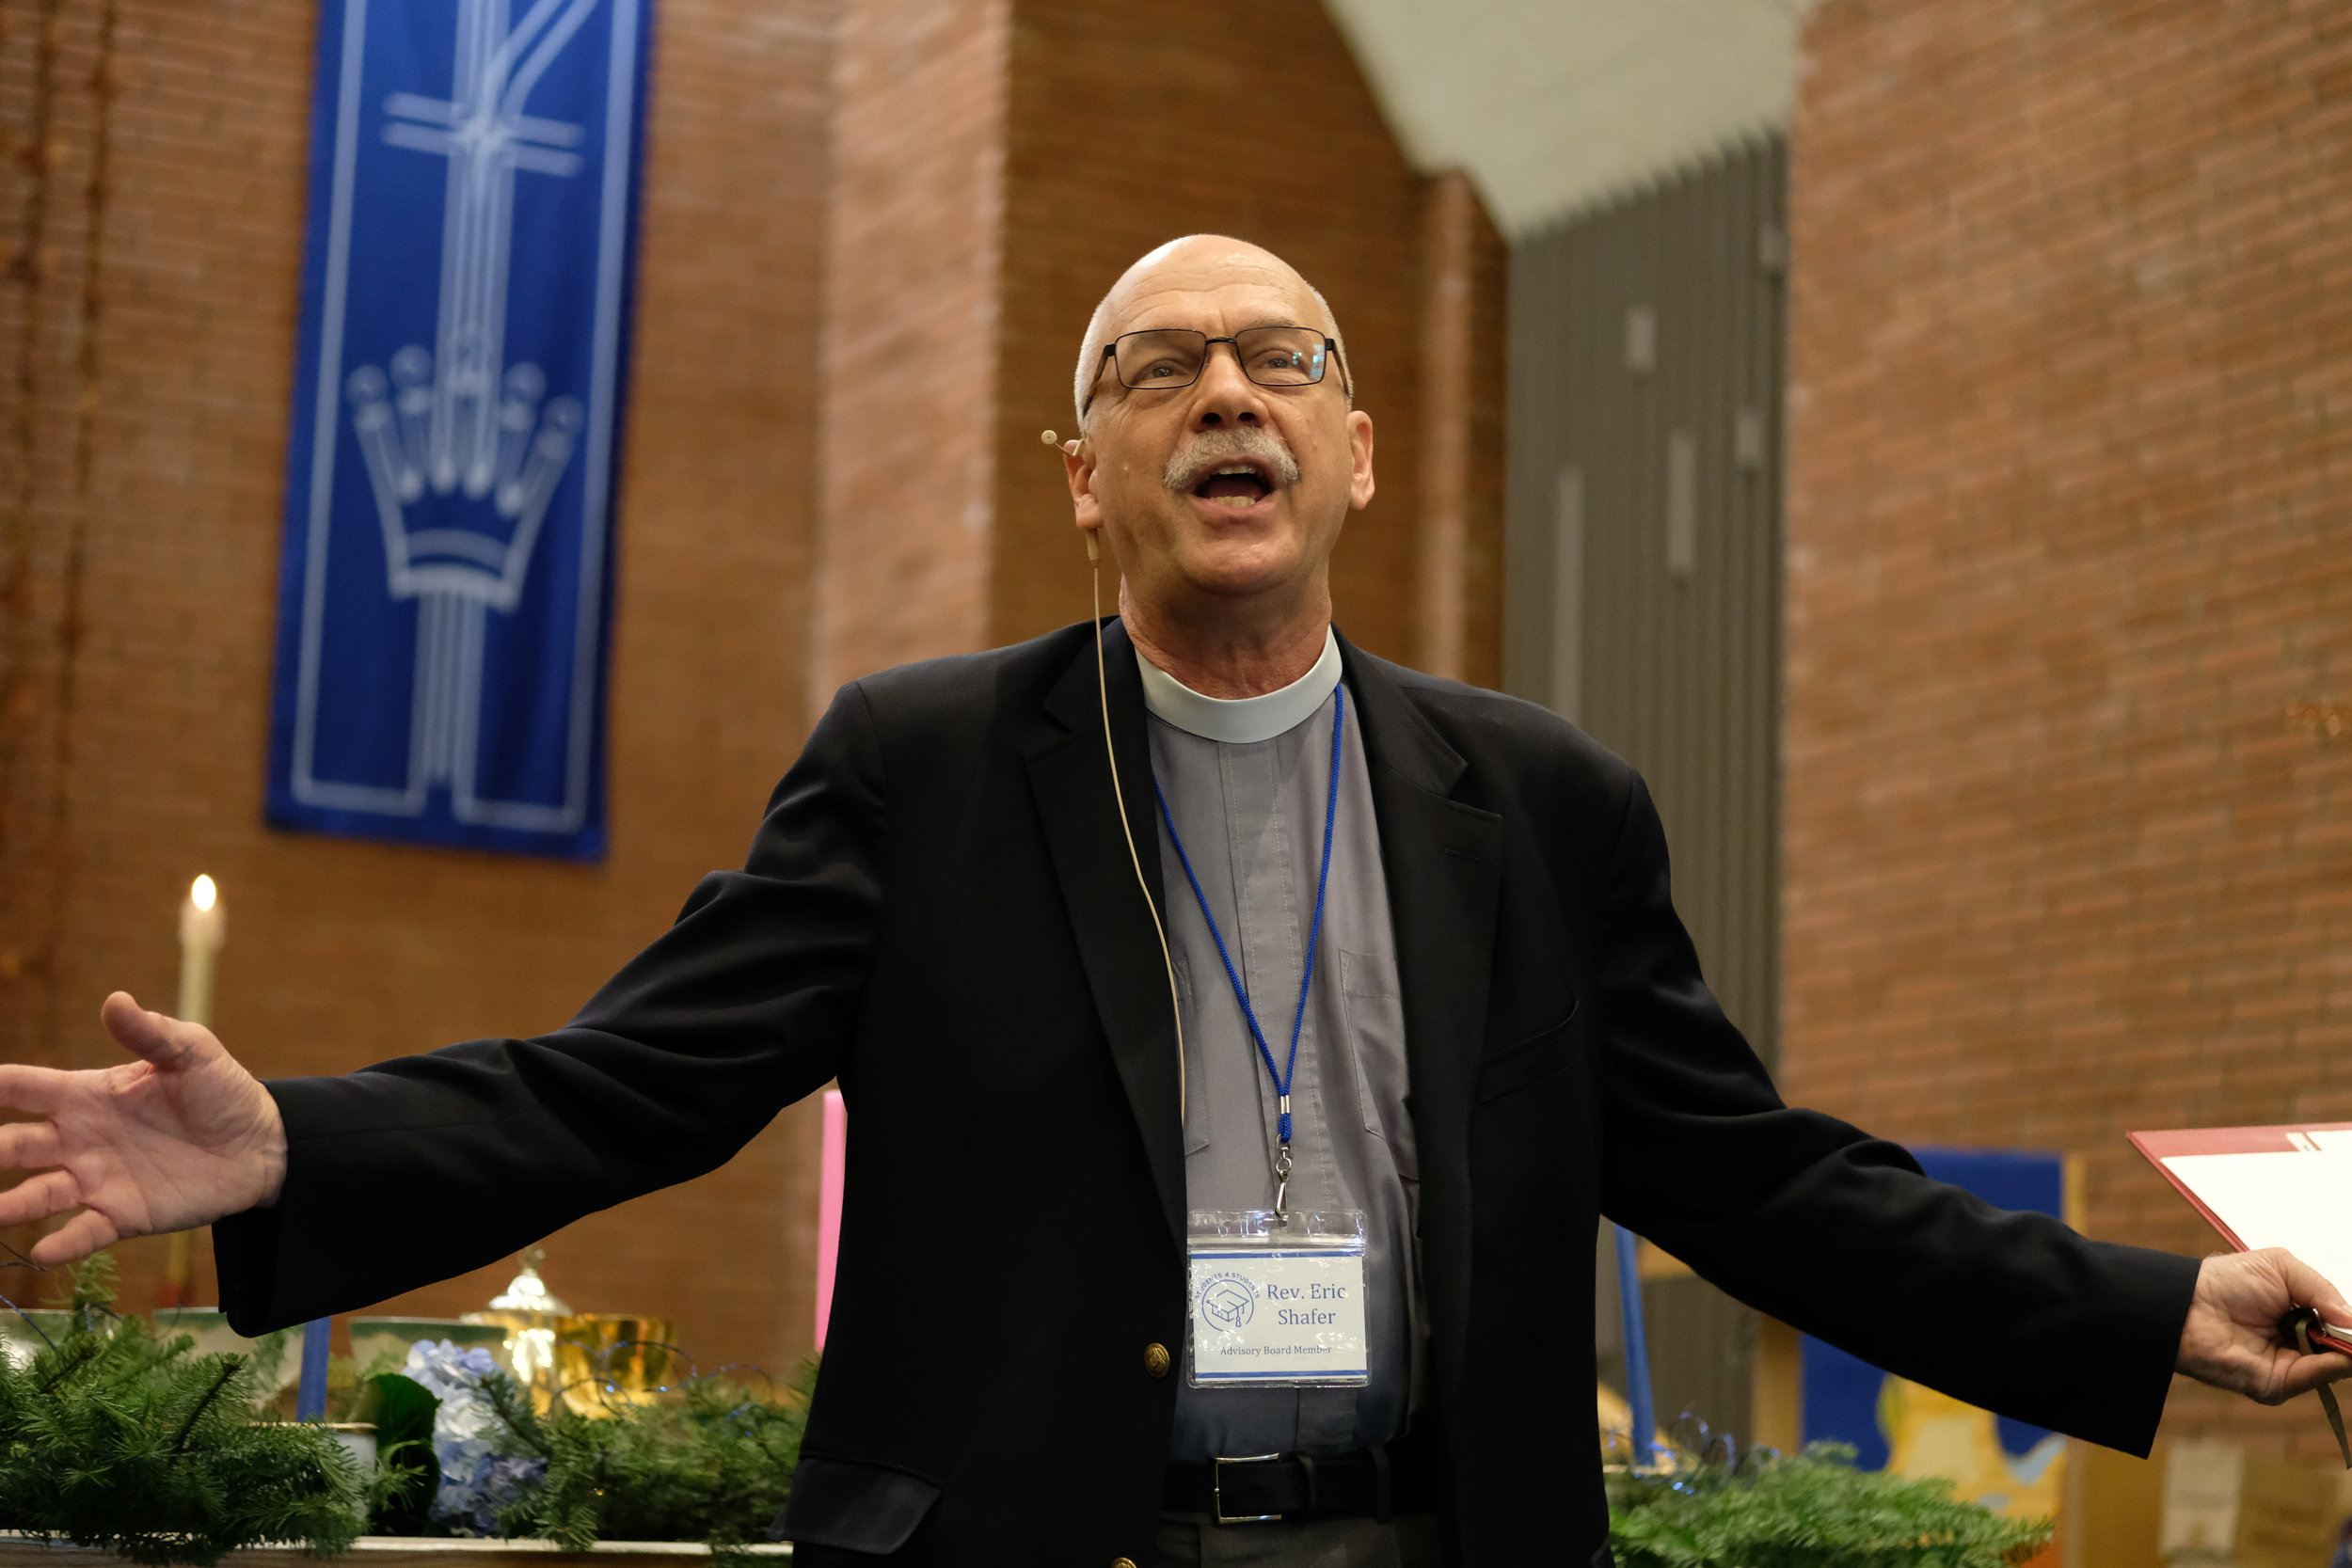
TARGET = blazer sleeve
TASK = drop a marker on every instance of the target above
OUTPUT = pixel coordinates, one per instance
(1837, 1233)
(415, 1169)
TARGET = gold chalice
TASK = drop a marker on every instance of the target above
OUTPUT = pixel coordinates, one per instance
(528, 1311)
(606, 1359)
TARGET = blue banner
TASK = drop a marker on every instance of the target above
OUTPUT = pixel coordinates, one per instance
(1844, 1396)
(446, 581)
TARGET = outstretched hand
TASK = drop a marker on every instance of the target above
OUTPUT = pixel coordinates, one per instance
(2232, 1337)
(178, 1138)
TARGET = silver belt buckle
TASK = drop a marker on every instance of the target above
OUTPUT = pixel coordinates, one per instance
(1217, 1491)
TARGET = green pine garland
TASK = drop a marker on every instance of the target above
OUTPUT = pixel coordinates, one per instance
(112, 1439)
(711, 1467)
(714, 1467)
(1812, 1509)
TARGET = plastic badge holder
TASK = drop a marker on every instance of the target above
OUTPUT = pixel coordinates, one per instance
(1277, 1303)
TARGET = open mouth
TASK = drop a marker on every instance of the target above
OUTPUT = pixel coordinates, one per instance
(1236, 484)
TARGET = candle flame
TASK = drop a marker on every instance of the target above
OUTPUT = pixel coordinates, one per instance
(203, 893)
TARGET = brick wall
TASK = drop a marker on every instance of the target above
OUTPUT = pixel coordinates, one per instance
(1458, 602)
(911, 306)
(2071, 420)
(164, 354)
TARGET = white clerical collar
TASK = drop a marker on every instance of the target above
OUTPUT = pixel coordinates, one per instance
(1241, 721)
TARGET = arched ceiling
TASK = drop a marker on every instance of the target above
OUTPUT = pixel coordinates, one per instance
(1552, 104)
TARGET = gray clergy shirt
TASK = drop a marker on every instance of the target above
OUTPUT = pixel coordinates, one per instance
(1245, 783)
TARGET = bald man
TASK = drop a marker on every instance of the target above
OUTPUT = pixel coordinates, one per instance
(1242, 1036)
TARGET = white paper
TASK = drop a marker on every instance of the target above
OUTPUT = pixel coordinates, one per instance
(2300, 1199)
(1278, 1315)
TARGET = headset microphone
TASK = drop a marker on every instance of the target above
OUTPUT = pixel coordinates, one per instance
(1102, 687)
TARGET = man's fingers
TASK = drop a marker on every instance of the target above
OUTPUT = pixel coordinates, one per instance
(37, 1198)
(29, 1146)
(2307, 1286)
(75, 1240)
(2307, 1372)
(29, 1088)
(152, 1035)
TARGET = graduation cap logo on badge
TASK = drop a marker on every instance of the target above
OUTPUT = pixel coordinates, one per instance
(1229, 1302)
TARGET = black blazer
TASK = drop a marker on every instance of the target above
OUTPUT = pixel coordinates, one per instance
(939, 912)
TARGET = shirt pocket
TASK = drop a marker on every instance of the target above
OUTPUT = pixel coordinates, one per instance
(1196, 1067)
(1373, 1012)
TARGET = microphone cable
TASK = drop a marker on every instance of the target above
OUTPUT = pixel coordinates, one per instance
(1103, 690)
(1110, 753)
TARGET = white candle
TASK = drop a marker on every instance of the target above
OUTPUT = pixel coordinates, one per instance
(203, 927)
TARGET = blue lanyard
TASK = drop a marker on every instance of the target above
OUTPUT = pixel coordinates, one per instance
(1283, 1076)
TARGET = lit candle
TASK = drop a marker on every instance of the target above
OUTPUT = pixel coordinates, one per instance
(203, 927)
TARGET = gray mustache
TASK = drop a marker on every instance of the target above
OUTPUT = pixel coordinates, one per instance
(1204, 452)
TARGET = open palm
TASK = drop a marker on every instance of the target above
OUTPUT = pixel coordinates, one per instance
(178, 1138)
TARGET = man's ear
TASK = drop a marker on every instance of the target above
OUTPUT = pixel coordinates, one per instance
(1077, 459)
(1359, 485)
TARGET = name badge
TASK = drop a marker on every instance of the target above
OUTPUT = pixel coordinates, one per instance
(1277, 1302)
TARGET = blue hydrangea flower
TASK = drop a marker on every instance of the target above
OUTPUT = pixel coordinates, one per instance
(478, 1476)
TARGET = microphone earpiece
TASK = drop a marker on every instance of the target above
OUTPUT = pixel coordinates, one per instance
(1049, 437)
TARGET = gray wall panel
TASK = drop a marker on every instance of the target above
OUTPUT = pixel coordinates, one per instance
(1668, 650)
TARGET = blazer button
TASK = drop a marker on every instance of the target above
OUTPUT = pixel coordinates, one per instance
(1122, 1563)
(1156, 1363)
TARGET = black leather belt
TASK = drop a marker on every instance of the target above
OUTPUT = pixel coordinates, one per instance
(1378, 1483)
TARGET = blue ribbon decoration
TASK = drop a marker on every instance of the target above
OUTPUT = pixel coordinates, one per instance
(311, 1393)
(1644, 1437)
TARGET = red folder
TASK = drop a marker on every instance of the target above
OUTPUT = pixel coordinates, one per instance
(2269, 1186)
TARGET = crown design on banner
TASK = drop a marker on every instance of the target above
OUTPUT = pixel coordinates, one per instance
(504, 454)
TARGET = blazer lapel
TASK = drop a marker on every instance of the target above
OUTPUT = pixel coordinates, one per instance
(1443, 862)
(1117, 942)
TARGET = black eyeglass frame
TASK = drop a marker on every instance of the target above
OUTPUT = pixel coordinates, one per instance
(1111, 352)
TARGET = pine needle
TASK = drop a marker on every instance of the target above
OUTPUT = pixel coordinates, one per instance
(1812, 1509)
(111, 1438)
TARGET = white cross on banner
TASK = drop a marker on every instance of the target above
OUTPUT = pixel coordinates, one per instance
(443, 599)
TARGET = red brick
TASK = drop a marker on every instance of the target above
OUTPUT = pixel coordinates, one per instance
(150, 767)
(2067, 436)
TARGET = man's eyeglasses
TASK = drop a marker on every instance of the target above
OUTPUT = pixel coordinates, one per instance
(1167, 358)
